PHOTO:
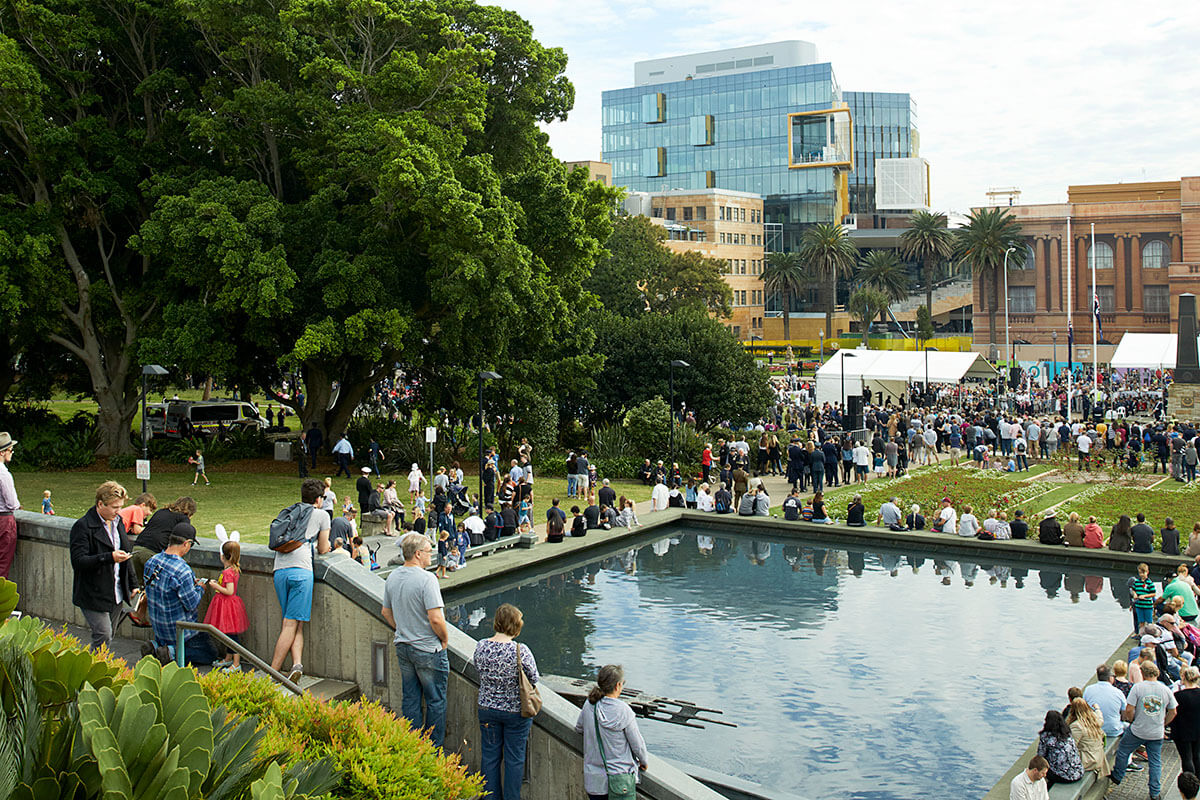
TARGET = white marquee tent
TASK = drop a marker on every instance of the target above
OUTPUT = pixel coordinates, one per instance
(1145, 351)
(891, 371)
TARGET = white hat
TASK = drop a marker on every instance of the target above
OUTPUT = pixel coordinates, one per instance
(366, 470)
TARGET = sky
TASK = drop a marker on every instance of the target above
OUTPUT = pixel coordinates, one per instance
(1037, 95)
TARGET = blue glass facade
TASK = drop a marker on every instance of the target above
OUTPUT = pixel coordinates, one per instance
(885, 126)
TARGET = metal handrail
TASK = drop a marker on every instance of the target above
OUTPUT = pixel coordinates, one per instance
(274, 674)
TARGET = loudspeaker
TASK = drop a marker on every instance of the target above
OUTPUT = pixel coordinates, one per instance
(1014, 377)
(854, 412)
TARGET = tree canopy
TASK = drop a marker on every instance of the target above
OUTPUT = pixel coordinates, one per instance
(326, 186)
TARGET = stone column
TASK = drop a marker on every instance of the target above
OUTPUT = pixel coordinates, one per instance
(1083, 282)
(1120, 284)
(1176, 247)
(1135, 261)
(1037, 268)
(1054, 259)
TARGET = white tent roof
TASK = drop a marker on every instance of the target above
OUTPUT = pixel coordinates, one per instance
(890, 371)
(1145, 351)
(907, 366)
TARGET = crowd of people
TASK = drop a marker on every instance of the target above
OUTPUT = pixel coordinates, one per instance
(1141, 700)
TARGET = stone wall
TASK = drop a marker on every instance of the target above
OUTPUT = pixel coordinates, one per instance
(340, 643)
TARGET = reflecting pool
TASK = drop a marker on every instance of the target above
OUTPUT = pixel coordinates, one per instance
(850, 674)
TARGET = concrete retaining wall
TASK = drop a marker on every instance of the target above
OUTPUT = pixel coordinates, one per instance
(340, 643)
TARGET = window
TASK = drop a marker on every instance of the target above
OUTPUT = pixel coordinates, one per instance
(654, 162)
(722, 237)
(1030, 258)
(654, 107)
(1103, 255)
(1108, 297)
(687, 213)
(656, 212)
(701, 212)
(700, 130)
(1155, 299)
(721, 210)
(743, 214)
(1155, 255)
(1022, 299)
(671, 213)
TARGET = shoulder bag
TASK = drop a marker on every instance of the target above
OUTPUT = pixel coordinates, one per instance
(531, 700)
(622, 786)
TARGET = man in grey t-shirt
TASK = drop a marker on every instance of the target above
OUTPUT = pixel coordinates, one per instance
(1149, 706)
(412, 605)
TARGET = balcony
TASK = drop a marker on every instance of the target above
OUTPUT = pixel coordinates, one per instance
(820, 139)
(1156, 319)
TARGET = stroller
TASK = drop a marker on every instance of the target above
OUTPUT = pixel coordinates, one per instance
(460, 501)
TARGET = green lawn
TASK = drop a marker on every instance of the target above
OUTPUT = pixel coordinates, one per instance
(240, 501)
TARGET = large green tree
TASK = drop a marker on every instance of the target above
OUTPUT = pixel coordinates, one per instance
(829, 254)
(982, 244)
(784, 275)
(928, 240)
(642, 274)
(882, 270)
(324, 186)
(865, 304)
(723, 382)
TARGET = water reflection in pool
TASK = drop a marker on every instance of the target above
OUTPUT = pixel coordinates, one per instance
(850, 674)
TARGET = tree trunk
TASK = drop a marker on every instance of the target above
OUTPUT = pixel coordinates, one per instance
(929, 286)
(992, 312)
(207, 388)
(832, 303)
(787, 316)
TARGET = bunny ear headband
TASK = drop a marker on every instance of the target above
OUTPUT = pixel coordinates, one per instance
(223, 537)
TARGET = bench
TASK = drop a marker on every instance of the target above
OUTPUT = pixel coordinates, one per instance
(370, 526)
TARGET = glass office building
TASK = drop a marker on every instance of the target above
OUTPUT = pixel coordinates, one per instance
(769, 119)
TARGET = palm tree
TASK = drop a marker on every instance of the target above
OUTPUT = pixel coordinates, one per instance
(882, 270)
(784, 273)
(829, 254)
(929, 241)
(865, 305)
(989, 232)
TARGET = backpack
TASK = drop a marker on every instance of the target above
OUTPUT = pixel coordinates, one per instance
(720, 505)
(289, 530)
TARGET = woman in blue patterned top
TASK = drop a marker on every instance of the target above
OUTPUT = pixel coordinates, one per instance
(1057, 745)
(503, 731)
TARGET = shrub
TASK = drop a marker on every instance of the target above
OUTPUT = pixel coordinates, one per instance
(122, 462)
(50, 443)
(647, 425)
(376, 754)
(611, 442)
(620, 468)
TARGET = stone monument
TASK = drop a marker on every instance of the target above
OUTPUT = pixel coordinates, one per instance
(1183, 398)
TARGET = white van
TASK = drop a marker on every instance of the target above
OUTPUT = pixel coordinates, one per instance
(184, 419)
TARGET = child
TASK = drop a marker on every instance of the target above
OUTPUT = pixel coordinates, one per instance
(227, 612)
(523, 515)
(135, 516)
(198, 461)
(463, 540)
(347, 506)
(47, 506)
(452, 559)
(419, 504)
(443, 552)
(526, 528)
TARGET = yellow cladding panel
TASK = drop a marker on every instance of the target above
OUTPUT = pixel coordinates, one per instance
(843, 193)
(841, 109)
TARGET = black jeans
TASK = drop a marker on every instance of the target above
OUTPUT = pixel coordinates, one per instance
(1189, 755)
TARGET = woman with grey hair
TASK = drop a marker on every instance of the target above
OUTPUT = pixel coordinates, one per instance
(613, 748)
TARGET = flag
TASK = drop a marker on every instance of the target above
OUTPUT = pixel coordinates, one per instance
(1096, 311)
(1070, 346)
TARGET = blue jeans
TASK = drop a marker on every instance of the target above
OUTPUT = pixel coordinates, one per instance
(503, 735)
(423, 676)
(1125, 749)
(570, 486)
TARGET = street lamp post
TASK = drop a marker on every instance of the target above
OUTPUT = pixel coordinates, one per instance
(1007, 346)
(484, 375)
(821, 336)
(147, 371)
(927, 349)
(681, 365)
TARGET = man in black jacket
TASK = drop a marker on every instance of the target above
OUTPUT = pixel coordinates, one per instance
(100, 559)
(314, 440)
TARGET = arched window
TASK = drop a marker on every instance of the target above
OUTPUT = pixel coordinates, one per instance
(1030, 258)
(1155, 254)
(1104, 256)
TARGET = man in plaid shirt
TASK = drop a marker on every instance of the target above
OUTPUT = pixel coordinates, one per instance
(172, 594)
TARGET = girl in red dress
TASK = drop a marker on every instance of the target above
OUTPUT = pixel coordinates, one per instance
(227, 612)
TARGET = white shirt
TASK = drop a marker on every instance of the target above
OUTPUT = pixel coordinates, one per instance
(1022, 788)
(658, 497)
(969, 526)
(949, 518)
(704, 501)
(862, 456)
(1083, 443)
(474, 524)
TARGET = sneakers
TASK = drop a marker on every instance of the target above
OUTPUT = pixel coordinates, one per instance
(296, 673)
(1135, 767)
(230, 669)
(222, 664)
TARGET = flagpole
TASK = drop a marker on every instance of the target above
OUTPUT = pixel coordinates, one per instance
(1095, 313)
(1070, 305)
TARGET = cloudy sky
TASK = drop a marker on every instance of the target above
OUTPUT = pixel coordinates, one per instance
(1036, 95)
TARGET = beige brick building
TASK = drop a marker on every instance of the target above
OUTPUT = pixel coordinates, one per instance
(718, 223)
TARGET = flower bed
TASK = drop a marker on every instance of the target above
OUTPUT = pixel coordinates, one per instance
(980, 489)
(1109, 503)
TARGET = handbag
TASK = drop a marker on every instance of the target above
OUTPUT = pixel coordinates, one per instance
(531, 700)
(622, 786)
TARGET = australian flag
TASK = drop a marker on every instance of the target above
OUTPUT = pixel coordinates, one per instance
(1096, 311)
